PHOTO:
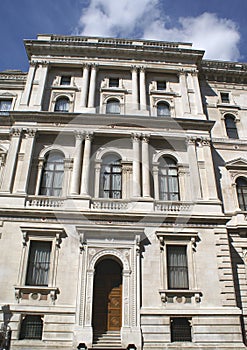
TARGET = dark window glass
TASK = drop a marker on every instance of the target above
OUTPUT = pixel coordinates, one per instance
(31, 327)
(180, 329)
(242, 193)
(5, 106)
(168, 180)
(114, 82)
(224, 97)
(163, 110)
(231, 128)
(111, 178)
(62, 105)
(52, 175)
(177, 267)
(161, 85)
(113, 107)
(38, 263)
(65, 80)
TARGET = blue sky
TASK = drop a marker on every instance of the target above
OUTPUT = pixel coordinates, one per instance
(218, 26)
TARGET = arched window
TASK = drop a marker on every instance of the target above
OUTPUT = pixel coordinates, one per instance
(62, 104)
(168, 180)
(111, 177)
(242, 193)
(163, 109)
(52, 175)
(231, 128)
(113, 106)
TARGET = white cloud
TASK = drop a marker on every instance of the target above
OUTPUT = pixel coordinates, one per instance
(143, 18)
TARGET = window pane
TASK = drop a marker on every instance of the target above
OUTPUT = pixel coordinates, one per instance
(111, 178)
(161, 85)
(113, 107)
(65, 80)
(177, 267)
(5, 106)
(113, 82)
(242, 193)
(180, 329)
(231, 128)
(62, 105)
(31, 327)
(52, 176)
(163, 110)
(168, 180)
(38, 263)
(224, 97)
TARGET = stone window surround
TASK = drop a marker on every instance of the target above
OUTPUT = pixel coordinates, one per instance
(185, 238)
(65, 94)
(43, 233)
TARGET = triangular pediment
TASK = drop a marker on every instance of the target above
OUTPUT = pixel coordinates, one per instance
(236, 163)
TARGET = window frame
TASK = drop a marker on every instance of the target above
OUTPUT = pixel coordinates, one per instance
(111, 174)
(225, 97)
(114, 101)
(188, 239)
(164, 115)
(112, 81)
(53, 173)
(175, 267)
(242, 207)
(231, 130)
(189, 320)
(22, 325)
(60, 98)
(64, 79)
(46, 233)
(167, 178)
(159, 85)
(4, 100)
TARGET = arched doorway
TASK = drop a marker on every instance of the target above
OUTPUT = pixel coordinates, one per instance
(107, 296)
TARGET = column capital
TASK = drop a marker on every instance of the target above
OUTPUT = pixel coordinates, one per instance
(31, 132)
(15, 132)
(145, 138)
(142, 69)
(85, 65)
(191, 140)
(88, 135)
(205, 141)
(134, 68)
(135, 137)
(78, 135)
(94, 66)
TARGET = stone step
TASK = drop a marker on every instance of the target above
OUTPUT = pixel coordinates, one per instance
(108, 340)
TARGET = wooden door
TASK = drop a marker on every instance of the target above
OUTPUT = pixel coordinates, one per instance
(107, 304)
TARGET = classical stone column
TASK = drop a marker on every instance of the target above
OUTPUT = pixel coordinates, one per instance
(43, 70)
(66, 176)
(136, 166)
(145, 167)
(143, 101)
(84, 88)
(92, 86)
(9, 171)
(28, 87)
(184, 92)
(134, 88)
(24, 171)
(39, 175)
(86, 165)
(191, 93)
(76, 173)
(194, 170)
(198, 96)
(211, 181)
(156, 180)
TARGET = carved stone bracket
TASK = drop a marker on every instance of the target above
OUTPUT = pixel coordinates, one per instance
(82, 241)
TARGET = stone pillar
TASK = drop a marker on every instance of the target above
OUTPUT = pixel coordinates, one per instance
(143, 101)
(66, 176)
(212, 188)
(191, 93)
(39, 175)
(28, 87)
(145, 167)
(136, 166)
(92, 87)
(86, 165)
(198, 96)
(97, 178)
(156, 181)
(194, 171)
(134, 88)
(9, 171)
(25, 165)
(184, 92)
(84, 88)
(43, 70)
(76, 174)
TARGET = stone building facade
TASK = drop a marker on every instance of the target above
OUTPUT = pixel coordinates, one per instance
(123, 197)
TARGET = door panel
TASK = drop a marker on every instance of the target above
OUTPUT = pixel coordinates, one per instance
(107, 305)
